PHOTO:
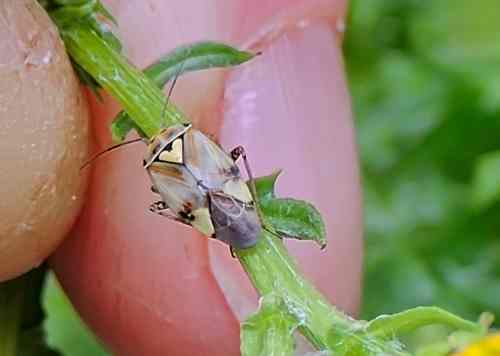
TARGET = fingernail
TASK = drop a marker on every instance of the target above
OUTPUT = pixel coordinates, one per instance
(290, 109)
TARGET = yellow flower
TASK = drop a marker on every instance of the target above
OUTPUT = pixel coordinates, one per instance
(487, 346)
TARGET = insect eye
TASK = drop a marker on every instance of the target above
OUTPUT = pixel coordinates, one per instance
(173, 153)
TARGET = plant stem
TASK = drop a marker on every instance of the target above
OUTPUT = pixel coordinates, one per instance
(139, 96)
(11, 312)
(272, 271)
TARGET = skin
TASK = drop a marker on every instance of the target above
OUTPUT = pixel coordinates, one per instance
(44, 138)
(148, 286)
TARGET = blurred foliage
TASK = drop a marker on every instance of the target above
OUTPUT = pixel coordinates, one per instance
(65, 330)
(425, 81)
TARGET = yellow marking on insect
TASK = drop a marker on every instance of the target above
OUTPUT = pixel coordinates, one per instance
(238, 189)
(175, 154)
(202, 221)
(487, 346)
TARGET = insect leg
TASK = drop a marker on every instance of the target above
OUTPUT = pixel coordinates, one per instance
(158, 206)
(236, 153)
(161, 208)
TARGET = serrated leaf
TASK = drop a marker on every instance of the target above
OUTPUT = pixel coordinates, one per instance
(486, 182)
(265, 186)
(269, 331)
(296, 219)
(291, 218)
(183, 59)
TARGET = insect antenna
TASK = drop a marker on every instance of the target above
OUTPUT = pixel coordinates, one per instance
(99, 154)
(171, 89)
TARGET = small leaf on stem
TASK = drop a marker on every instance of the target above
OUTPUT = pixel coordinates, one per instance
(269, 331)
(291, 218)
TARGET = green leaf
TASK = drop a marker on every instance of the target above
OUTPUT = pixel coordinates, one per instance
(486, 181)
(265, 186)
(269, 331)
(291, 218)
(296, 219)
(183, 59)
(65, 330)
(409, 320)
(195, 56)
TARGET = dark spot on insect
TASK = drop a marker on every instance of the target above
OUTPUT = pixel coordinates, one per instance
(238, 151)
(188, 207)
(154, 190)
(144, 162)
(234, 171)
(186, 216)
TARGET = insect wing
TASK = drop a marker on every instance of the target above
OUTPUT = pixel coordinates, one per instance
(235, 222)
(176, 186)
(208, 162)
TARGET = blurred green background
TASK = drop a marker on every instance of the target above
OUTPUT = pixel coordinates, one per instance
(425, 81)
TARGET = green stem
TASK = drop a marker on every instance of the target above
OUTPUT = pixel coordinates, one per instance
(11, 312)
(139, 96)
(272, 271)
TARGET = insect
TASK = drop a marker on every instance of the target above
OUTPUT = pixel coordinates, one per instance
(200, 185)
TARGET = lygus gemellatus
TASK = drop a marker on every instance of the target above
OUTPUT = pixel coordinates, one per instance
(200, 185)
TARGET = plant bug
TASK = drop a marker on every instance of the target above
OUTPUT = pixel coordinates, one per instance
(200, 185)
